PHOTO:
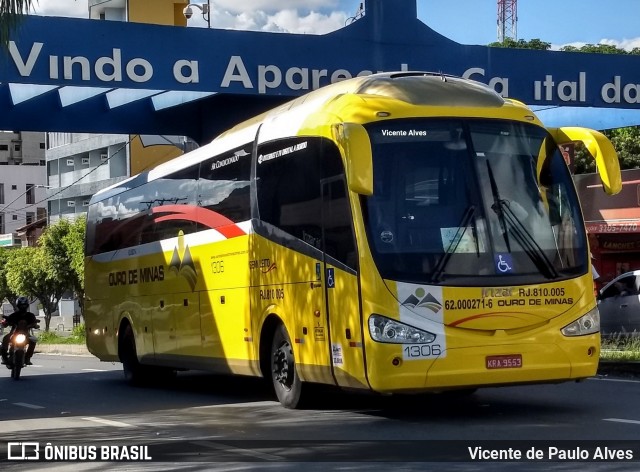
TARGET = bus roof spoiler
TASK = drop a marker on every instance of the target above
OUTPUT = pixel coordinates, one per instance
(600, 148)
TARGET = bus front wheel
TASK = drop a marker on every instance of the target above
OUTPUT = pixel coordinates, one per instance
(286, 381)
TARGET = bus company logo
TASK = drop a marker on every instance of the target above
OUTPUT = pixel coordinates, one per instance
(422, 299)
(23, 451)
(182, 263)
(264, 265)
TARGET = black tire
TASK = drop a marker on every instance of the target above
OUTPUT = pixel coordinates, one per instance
(132, 369)
(18, 362)
(285, 379)
(137, 374)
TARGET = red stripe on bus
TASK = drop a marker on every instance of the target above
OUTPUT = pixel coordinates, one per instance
(203, 216)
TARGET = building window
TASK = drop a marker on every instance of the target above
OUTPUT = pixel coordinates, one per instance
(1, 223)
(17, 147)
(85, 161)
(30, 217)
(70, 162)
(4, 147)
(71, 203)
(43, 162)
(41, 213)
(1, 194)
(15, 217)
(31, 194)
(42, 146)
(14, 187)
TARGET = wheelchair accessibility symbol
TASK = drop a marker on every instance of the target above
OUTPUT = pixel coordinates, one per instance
(504, 263)
(331, 280)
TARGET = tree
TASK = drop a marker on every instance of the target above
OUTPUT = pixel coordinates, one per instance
(5, 292)
(595, 48)
(64, 241)
(522, 44)
(31, 271)
(11, 12)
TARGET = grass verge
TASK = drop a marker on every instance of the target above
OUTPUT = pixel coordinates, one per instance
(77, 336)
(621, 348)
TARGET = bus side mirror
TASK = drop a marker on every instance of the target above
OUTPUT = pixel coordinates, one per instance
(600, 148)
(354, 142)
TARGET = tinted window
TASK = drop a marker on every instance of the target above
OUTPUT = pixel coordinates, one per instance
(169, 206)
(336, 216)
(224, 187)
(292, 175)
(150, 212)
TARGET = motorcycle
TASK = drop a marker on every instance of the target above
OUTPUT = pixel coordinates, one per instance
(18, 345)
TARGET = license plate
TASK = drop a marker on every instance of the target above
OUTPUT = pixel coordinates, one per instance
(509, 361)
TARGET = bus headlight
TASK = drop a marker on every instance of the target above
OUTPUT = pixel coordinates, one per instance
(587, 324)
(386, 330)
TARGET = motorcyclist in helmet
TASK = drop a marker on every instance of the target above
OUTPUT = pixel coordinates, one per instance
(22, 313)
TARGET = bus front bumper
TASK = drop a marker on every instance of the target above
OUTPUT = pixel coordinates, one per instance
(473, 367)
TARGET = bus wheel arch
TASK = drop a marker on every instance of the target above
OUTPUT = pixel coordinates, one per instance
(278, 364)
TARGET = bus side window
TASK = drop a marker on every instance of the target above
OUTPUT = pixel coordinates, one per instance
(291, 195)
(224, 184)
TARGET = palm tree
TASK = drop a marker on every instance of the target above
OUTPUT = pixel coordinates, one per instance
(11, 12)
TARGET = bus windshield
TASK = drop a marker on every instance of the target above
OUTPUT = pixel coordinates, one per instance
(455, 200)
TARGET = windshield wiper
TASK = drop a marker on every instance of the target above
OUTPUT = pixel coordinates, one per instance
(455, 242)
(510, 223)
(497, 206)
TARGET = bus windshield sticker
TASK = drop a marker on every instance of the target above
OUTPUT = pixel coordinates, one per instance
(455, 240)
(504, 263)
(336, 351)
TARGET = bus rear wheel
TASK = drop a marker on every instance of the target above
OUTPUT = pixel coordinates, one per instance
(128, 356)
(284, 376)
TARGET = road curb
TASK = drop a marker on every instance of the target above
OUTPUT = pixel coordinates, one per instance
(63, 349)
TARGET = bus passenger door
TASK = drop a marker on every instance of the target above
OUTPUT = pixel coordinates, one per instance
(341, 285)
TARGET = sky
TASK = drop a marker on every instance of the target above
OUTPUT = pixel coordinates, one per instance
(559, 22)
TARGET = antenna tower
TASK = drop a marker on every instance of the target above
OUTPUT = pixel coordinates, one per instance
(507, 20)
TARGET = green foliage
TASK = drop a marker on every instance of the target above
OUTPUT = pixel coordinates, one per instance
(79, 332)
(626, 142)
(522, 44)
(48, 337)
(51, 337)
(45, 272)
(64, 241)
(11, 12)
(621, 348)
(596, 49)
(5, 291)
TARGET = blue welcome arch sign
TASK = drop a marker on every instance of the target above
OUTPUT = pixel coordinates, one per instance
(63, 74)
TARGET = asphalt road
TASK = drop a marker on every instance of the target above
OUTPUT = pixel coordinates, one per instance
(207, 422)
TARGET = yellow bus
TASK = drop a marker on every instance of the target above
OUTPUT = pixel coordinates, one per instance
(396, 233)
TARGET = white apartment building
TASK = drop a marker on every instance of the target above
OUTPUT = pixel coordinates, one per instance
(23, 181)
